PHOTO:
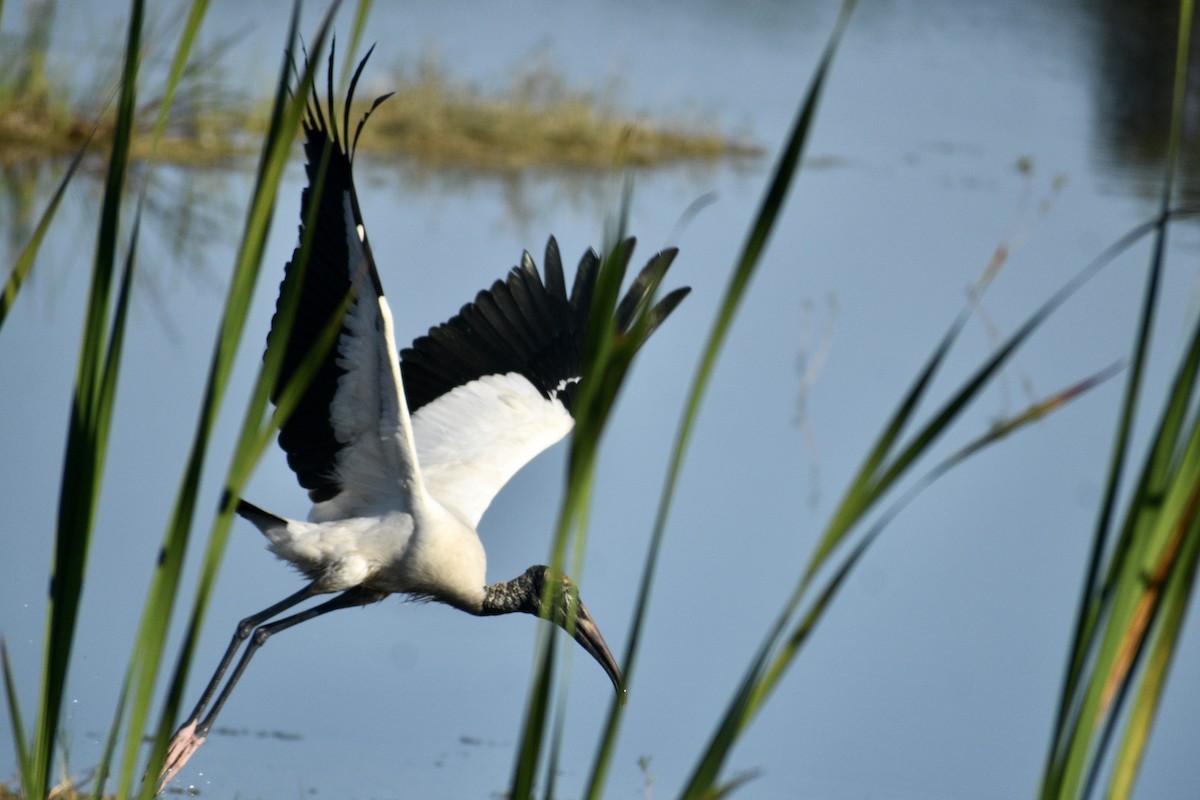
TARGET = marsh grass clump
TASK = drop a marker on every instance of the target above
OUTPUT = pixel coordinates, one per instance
(66, 789)
(33, 113)
(40, 117)
(538, 120)
(433, 118)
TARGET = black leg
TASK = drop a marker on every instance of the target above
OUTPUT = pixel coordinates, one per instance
(244, 628)
(347, 599)
(192, 733)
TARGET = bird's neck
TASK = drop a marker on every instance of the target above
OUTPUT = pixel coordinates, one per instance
(522, 593)
(445, 560)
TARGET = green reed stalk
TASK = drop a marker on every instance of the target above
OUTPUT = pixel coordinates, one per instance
(757, 238)
(1135, 590)
(87, 438)
(286, 116)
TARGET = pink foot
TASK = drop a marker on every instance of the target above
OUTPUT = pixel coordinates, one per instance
(183, 744)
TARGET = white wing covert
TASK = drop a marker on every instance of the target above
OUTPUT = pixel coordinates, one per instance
(495, 385)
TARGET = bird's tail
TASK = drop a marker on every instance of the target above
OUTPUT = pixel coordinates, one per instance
(273, 527)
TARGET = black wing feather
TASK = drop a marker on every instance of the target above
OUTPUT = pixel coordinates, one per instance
(525, 324)
(307, 436)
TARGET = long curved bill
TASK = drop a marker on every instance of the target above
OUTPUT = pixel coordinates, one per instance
(587, 633)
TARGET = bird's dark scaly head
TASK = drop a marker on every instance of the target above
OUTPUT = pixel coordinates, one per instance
(554, 591)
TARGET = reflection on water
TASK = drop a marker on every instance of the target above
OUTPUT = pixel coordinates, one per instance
(532, 194)
(21, 194)
(1132, 83)
(283, 736)
(1123, 49)
(185, 210)
(184, 213)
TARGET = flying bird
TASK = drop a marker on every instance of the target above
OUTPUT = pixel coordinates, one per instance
(402, 455)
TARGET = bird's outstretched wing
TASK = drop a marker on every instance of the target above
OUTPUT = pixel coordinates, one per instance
(487, 390)
(494, 386)
(349, 439)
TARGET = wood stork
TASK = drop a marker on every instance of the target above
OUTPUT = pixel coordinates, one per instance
(401, 457)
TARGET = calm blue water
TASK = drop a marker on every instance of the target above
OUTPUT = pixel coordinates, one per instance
(936, 673)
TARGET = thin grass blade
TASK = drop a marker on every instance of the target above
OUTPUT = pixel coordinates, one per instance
(866, 487)
(361, 9)
(554, 760)
(748, 260)
(164, 585)
(86, 438)
(1034, 413)
(28, 255)
(187, 38)
(1177, 596)
(1070, 744)
(741, 710)
(24, 766)
(1089, 600)
(104, 767)
(1142, 595)
(538, 707)
(602, 374)
(616, 331)
(732, 785)
(108, 396)
(761, 679)
(1177, 592)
